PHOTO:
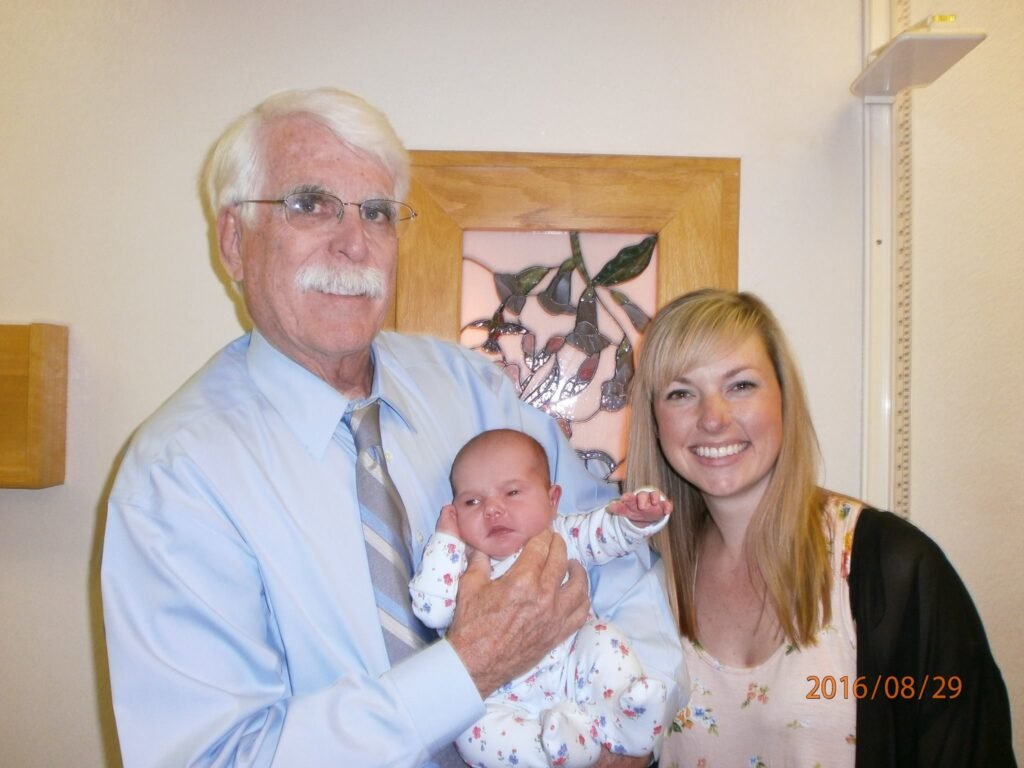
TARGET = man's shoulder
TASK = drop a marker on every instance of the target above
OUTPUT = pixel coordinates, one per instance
(414, 349)
(220, 390)
(414, 355)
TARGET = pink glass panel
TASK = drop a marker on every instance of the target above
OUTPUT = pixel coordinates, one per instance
(581, 381)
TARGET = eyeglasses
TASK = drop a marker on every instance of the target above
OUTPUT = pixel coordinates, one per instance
(313, 210)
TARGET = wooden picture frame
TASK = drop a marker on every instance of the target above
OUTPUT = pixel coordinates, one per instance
(692, 204)
(33, 404)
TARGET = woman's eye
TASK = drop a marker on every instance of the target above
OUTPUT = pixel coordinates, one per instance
(744, 385)
(678, 394)
(514, 492)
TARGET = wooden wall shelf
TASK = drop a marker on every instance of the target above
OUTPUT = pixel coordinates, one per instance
(33, 404)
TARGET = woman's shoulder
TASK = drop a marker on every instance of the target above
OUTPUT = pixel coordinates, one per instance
(885, 532)
(893, 556)
(875, 529)
(841, 512)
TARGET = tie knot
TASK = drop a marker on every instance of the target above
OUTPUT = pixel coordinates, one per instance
(365, 426)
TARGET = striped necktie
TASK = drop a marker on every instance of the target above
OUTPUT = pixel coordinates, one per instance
(388, 550)
(386, 530)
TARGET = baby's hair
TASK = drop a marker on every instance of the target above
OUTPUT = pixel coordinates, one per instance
(498, 435)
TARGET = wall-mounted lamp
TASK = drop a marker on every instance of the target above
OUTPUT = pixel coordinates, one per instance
(917, 56)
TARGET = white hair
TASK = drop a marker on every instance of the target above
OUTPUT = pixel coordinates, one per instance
(234, 170)
(340, 280)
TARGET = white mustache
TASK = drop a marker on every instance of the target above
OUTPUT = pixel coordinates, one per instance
(341, 280)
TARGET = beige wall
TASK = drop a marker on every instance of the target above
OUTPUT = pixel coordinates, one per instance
(107, 109)
(968, 319)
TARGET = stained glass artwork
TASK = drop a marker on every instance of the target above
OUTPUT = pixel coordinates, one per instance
(561, 313)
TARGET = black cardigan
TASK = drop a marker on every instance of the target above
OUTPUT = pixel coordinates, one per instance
(916, 622)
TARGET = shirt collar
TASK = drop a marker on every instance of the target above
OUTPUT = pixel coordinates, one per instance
(310, 406)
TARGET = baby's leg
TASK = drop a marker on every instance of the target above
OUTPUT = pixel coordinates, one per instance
(608, 682)
(567, 736)
(560, 738)
(503, 737)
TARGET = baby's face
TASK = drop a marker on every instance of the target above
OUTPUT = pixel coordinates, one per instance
(502, 498)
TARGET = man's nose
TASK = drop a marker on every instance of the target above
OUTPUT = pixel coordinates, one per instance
(349, 236)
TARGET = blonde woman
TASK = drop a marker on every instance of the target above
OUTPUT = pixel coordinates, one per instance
(817, 631)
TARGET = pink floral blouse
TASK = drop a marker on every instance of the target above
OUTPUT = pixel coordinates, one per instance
(797, 709)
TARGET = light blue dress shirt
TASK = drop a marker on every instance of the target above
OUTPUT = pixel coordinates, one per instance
(240, 620)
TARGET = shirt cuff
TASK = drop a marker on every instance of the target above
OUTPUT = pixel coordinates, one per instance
(438, 693)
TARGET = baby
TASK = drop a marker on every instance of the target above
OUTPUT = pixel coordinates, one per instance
(588, 692)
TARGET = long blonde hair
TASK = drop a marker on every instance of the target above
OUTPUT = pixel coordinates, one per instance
(786, 542)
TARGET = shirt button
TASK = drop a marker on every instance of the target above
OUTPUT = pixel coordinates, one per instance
(419, 536)
(387, 455)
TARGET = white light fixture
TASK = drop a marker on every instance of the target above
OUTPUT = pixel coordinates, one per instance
(915, 57)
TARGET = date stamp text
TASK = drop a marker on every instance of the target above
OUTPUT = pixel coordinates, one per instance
(905, 687)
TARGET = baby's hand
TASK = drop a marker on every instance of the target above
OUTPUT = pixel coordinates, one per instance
(641, 508)
(448, 522)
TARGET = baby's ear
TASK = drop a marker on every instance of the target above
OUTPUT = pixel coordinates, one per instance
(554, 496)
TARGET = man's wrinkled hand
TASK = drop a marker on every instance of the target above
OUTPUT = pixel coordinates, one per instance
(504, 627)
(609, 760)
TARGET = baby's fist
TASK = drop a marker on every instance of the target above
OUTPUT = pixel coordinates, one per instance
(448, 522)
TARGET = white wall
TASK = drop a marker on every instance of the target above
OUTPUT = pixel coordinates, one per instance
(968, 316)
(107, 109)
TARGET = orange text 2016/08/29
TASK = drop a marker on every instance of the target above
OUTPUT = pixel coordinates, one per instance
(905, 687)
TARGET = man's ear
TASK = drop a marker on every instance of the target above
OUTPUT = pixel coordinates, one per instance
(554, 496)
(229, 237)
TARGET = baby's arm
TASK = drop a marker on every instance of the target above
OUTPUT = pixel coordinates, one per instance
(642, 508)
(436, 582)
(598, 537)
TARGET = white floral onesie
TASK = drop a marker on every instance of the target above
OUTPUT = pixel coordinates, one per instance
(588, 692)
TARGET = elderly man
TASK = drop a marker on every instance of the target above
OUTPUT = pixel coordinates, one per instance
(256, 540)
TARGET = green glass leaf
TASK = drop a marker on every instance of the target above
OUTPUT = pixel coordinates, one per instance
(513, 289)
(628, 263)
(637, 316)
(527, 280)
(577, 252)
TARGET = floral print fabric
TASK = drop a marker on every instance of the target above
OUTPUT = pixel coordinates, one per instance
(588, 693)
(797, 709)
